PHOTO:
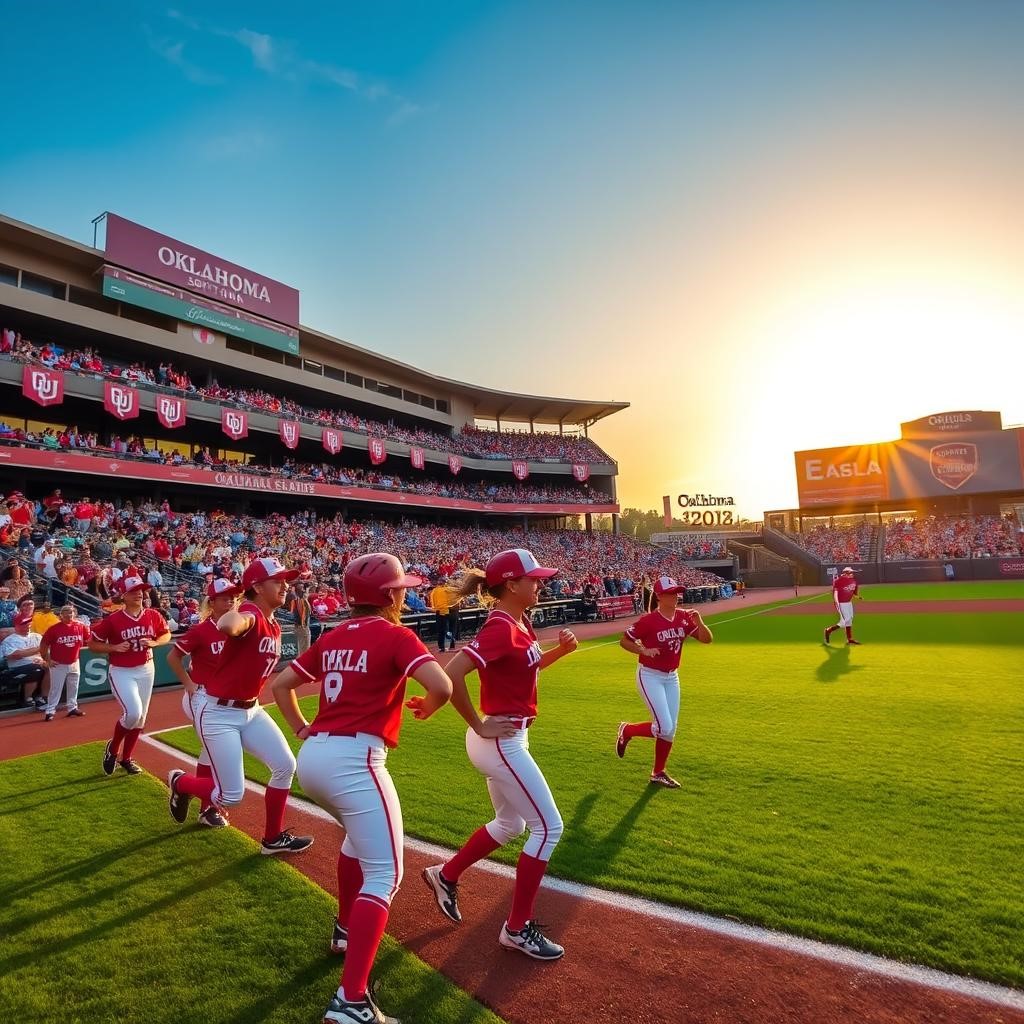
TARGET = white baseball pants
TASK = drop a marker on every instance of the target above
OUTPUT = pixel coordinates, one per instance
(226, 732)
(133, 688)
(660, 692)
(61, 675)
(186, 706)
(845, 613)
(519, 792)
(348, 776)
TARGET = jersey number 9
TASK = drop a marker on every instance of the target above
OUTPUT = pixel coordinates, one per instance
(332, 686)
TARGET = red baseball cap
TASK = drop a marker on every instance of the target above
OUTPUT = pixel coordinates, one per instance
(667, 585)
(223, 588)
(514, 564)
(23, 620)
(129, 584)
(259, 570)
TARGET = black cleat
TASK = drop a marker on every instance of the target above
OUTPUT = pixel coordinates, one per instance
(109, 759)
(130, 766)
(621, 740)
(664, 779)
(286, 843)
(446, 893)
(339, 940)
(531, 941)
(177, 802)
(213, 817)
(76, 713)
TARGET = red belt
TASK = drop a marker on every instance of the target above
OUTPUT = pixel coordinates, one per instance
(222, 702)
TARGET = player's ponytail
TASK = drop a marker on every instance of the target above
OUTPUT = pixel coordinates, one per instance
(473, 583)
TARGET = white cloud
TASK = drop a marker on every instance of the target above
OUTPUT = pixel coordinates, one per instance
(261, 46)
(174, 53)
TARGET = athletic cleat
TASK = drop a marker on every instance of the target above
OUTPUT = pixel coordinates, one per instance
(50, 716)
(76, 713)
(664, 779)
(109, 759)
(130, 766)
(357, 1011)
(177, 802)
(853, 643)
(828, 638)
(38, 704)
(287, 843)
(621, 740)
(531, 941)
(446, 893)
(339, 940)
(213, 817)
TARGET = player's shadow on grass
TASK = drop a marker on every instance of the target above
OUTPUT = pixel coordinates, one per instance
(836, 664)
(602, 849)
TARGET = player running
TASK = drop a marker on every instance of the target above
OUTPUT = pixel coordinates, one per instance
(509, 659)
(362, 667)
(203, 645)
(128, 637)
(658, 638)
(228, 715)
(844, 592)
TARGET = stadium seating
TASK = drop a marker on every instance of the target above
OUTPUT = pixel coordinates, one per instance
(941, 537)
(837, 543)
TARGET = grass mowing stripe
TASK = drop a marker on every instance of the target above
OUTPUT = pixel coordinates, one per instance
(113, 913)
(870, 798)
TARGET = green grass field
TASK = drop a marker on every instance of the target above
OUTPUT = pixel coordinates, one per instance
(111, 913)
(872, 797)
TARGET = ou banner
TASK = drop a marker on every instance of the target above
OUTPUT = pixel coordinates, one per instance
(454, 464)
(170, 411)
(331, 440)
(120, 401)
(520, 469)
(416, 457)
(581, 472)
(378, 453)
(290, 433)
(43, 386)
(234, 423)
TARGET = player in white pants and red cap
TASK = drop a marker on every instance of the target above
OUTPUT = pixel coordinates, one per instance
(509, 660)
(658, 638)
(61, 644)
(362, 667)
(228, 716)
(128, 637)
(844, 592)
(203, 645)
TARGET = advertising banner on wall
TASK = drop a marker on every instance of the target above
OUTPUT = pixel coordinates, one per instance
(970, 422)
(837, 476)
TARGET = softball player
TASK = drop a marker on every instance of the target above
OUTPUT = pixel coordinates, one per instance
(60, 648)
(228, 715)
(844, 592)
(362, 667)
(128, 637)
(203, 645)
(658, 638)
(509, 659)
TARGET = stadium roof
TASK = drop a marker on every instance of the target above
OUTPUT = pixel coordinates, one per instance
(487, 403)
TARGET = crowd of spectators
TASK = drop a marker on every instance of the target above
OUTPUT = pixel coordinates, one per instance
(470, 441)
(132, 447)
(942, 537)
(836, 543)
(700, 549)
(87, 544)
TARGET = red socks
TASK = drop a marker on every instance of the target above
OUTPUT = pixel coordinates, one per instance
(849, 632)
(367, 922)
(479, 845)
(119, 734)
(646, 729)
(193, 785)
(131, 738)
(661, 752)
(529, 874)
(350, 881)
(275, 800)
(204, 771)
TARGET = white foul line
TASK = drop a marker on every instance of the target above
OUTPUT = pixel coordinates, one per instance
(914, 974)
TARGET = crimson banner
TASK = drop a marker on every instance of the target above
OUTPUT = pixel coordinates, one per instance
(331, 440)
(120, 400)
(520, 469)
(416, 457)
(290, 433)
(234, 423)
(43, 386)
(378, 453)
(581, 471)
(170, 411)
(454, 464)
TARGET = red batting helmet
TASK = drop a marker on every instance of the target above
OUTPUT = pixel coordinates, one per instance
(370, 578)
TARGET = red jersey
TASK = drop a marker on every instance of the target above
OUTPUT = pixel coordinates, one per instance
(203, 643)
(66, 641)
(120, 626)
(843, 589)
(362, 667)
(666, 636)
(247, 661)
(507, 655)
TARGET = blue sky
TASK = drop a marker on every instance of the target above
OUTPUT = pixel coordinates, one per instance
(633, 201)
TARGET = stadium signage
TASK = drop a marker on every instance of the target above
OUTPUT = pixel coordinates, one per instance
(703, 500)
(138, 248)
(953, 464)
(955, 422)
(819, 470)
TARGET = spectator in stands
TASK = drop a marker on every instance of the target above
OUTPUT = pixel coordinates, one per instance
(17, 582)
(298, 607)
(24, 666)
